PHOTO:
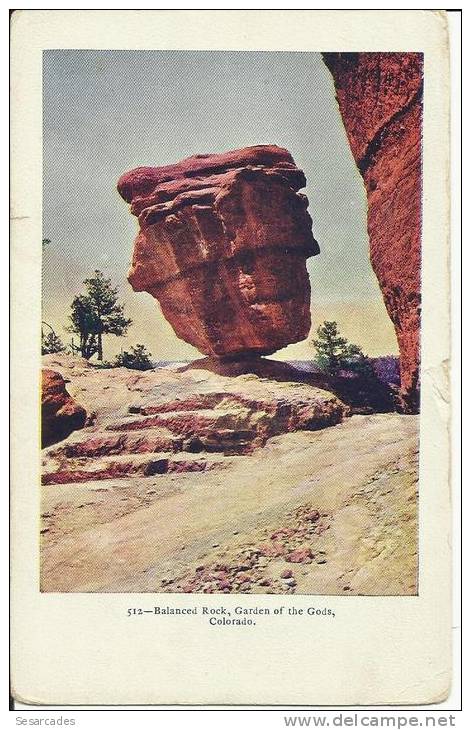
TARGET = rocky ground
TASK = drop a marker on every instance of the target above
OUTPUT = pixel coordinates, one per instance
(197, 482)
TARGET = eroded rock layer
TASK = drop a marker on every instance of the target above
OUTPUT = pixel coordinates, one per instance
(222, 246)
(380, 99)
(188, 421)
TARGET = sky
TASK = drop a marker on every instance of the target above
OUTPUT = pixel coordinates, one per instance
(106, 112)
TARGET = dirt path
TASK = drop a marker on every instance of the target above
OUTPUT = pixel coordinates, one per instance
(206, 532)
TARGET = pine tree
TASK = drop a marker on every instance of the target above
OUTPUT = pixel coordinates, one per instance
(97, 313)
(335, 353)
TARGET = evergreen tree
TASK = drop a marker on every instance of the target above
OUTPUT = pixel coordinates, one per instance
(334, 352)
(97, 313)
(83, 322)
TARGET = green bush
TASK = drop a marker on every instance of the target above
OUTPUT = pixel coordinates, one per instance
(103, 365)
(138, 358)
(51, 343)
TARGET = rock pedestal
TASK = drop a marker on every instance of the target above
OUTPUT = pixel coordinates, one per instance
(222, 246)
(187, 420)
(380, 99)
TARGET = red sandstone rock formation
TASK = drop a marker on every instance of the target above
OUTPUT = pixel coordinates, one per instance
(178, 421)
(223, 244)
(60, 413)
(380, 99)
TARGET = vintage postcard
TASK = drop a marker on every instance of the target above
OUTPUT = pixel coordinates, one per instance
(230, 440)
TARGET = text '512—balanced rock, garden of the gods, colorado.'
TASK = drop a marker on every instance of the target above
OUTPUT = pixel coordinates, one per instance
(222, 246)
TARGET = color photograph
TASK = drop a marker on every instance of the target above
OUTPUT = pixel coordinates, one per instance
(230, 337)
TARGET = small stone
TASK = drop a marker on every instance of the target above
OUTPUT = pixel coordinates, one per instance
(215, 545)
(287, 574)
(245, 587)
(236, 532)
(321, 562)
(303, 555)
(285, 532)
(223, 575)
(243, 566)
(272, 550)
(290, 582)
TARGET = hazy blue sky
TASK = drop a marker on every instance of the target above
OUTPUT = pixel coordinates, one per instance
(106, 112)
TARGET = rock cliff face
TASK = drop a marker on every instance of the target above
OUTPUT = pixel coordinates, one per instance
(60, 414)
(380, 99)
(223, 244)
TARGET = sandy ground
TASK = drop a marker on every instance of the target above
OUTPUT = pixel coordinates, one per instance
(343, 500)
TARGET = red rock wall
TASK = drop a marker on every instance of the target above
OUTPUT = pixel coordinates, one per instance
(222, 246)
(380, 99)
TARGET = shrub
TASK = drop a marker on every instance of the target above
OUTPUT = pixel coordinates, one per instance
(103, 365)
(51, 344)
(138, 358)
(387, 369)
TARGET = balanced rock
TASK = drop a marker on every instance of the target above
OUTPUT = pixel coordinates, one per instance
(380, 99)
(60, 414)
(222, 246)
